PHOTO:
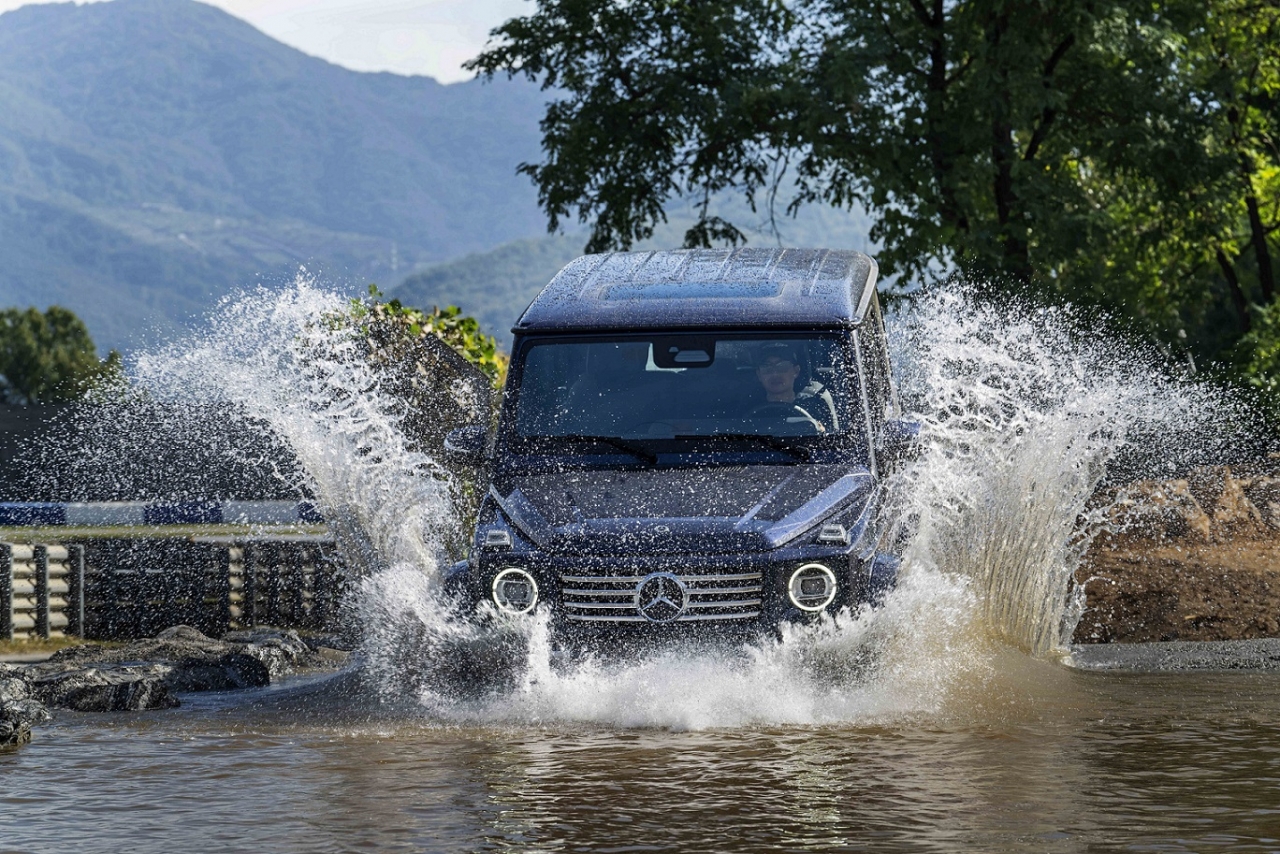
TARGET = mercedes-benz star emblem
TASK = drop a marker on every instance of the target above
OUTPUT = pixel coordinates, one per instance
(661, 597)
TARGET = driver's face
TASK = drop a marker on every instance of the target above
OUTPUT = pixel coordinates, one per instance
(778, 376)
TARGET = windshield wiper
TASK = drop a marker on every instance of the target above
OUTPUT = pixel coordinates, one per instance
(774, 442)
(623, 445)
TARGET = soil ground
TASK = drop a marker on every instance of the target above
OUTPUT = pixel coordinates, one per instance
(1141, 589)
(1193, 559)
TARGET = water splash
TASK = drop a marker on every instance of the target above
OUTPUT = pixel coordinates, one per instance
(1020, 420)
(271, 356)
(1021, 417)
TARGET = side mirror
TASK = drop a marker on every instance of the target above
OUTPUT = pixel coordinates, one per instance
(899, 441)
(465, 445)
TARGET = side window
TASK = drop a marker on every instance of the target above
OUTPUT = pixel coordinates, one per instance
(875, 357)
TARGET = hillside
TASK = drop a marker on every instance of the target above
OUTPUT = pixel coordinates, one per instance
(155, 154)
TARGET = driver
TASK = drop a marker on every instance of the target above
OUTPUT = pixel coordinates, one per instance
(777, 369)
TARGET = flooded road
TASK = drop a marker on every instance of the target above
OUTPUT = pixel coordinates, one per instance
(939, 721)
(1037, 758)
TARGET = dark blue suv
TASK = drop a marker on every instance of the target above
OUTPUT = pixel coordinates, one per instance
(689, 440)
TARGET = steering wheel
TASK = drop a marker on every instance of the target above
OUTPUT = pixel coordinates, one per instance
(774, 409)
(785, 411)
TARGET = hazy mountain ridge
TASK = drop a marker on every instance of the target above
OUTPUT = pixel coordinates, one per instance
(156, 153)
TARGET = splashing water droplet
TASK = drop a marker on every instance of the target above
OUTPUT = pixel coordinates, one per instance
(1020, 419)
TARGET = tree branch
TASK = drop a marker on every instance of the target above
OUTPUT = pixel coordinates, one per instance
(1048, 114)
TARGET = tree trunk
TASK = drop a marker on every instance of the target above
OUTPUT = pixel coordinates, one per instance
(1258, 237)
(1003, 154)
(1238, 298)
(940, 145)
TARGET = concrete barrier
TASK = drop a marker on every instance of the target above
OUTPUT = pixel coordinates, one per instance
(122, 588)
(41, 591)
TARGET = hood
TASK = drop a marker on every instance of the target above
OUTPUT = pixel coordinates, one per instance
(678, 511)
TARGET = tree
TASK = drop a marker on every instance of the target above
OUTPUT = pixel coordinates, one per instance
(964, 125)
(1090, 150)
(49, 357)
(1239, 58)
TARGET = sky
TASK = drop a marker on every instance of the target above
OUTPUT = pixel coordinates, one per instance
(431, 37)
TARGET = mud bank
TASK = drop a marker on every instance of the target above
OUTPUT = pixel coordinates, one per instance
(1194, 559)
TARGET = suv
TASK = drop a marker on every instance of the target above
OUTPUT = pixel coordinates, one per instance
(688, 440)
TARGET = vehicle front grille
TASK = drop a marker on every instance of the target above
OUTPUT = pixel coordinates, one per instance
(615, 598)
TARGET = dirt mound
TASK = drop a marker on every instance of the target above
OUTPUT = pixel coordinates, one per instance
(1188, 559)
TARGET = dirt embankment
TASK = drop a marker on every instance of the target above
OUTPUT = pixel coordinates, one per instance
(1190, 559)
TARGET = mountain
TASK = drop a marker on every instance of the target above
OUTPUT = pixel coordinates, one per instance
(157, 154)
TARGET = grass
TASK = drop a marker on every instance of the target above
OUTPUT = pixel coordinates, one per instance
(25, 647)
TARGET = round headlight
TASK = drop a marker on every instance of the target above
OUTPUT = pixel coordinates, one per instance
(515, 591)
(812, 587)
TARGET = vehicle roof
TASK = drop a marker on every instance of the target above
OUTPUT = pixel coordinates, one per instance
(689, 288)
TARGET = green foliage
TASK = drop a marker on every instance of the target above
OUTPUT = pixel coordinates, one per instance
(1119, 153)
(48, 357)
(1263, 343)
(398, 326)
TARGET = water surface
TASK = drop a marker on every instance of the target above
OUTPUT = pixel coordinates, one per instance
(940, 721)
(1038, 758)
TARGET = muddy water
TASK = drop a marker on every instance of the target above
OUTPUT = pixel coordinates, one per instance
(914, 727)
(1037, 758)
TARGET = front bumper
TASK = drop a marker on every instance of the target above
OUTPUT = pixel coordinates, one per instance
(738, 594)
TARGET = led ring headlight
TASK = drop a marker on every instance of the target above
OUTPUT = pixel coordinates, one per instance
(515, 591)
(812, 587)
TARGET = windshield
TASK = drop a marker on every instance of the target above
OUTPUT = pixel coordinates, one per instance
(688, 386)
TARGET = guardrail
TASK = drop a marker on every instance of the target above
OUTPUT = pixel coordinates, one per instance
(41, 591)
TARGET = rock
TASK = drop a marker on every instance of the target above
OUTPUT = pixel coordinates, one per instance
(1264, 493)
(16, 719)
(90, 676)
(279, 650)
(1222, 497)
(145, 674)
(125, 688)
(13, 683)
(12, 688)
(333, 657)
(336, 643)
(18, 712)
(185, 633)
(1159, 510)
(1211, 504)
(225, 673)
